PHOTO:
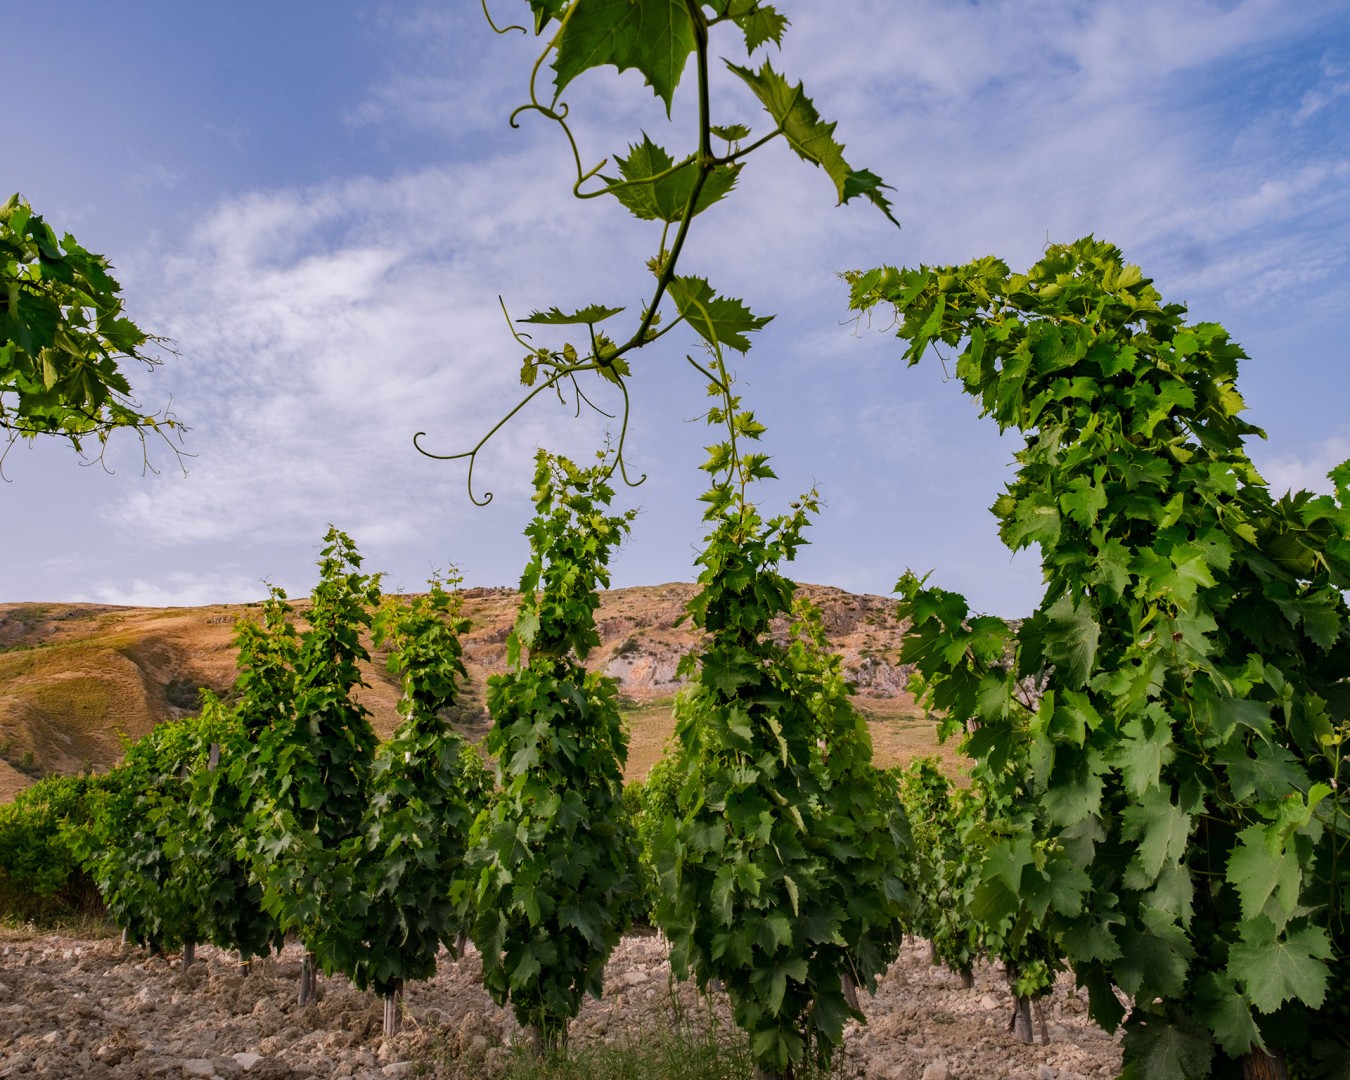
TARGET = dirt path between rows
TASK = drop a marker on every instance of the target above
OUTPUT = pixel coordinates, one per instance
(92, 1009)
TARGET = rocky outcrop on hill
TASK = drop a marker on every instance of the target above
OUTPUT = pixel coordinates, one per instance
(76, 678)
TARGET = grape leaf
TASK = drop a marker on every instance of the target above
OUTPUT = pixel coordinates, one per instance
(1144, 747)
(665, 199)
(812, 138)
(717, 319)
(1162, 830)
(545, 11)
(1274, 971)
(653, 36)
(730, 132)
(1154, 960)
(758, 22)
(588, 316)
(1226, 1013)
(1071, 637)
(1269, 770)
(1260, 871)
(1159, 1050)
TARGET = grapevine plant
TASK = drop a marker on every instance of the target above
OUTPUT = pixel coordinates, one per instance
(779, 868)
(554, 853)
(312, 763)
(941, 865)
(1192, 648)
(230, 902)
(791, 968)
(396, 875)
(153, 896)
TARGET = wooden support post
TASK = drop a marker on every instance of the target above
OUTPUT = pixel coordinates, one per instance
(393, 1010)
(306, 979)
(1040, 1021)
(1258, 1065)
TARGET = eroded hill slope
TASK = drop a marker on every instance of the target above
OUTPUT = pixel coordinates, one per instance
(77, 678)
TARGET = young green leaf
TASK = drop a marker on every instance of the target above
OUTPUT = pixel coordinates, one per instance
(718, 320)
(653, 36)
(811, 138)
(588, 316)
(665, 198)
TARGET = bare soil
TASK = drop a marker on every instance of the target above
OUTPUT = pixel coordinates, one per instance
(93, 1009)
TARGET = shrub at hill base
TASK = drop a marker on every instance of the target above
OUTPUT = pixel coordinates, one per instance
(41, 878)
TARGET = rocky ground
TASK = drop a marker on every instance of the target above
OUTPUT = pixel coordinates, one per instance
(92, 1009)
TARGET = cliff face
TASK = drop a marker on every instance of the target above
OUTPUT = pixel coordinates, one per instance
(76, 678)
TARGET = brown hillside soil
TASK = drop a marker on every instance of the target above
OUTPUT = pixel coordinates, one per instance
(76, 678)
(95, 1009)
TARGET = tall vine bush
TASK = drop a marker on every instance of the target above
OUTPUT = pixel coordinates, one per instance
(310, 769)
(779, 868)
(941, 864)
(397, 874)
(212, 832)
(1193, 648)
(554, 853)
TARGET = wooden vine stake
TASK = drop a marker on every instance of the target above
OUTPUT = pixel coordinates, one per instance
(306, 979)
(1258, 1065)
(393, 1009)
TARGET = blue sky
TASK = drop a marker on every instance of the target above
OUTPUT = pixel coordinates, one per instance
(321, 201)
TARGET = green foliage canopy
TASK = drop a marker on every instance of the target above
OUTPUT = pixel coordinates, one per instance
(63, 339)
(1189, 658)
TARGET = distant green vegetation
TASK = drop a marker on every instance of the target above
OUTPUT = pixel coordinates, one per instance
(41, 879)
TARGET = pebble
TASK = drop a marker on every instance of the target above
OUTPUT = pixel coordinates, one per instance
(398, 1068)
(199, 1067)
(1046, 1072)
(936, 1070)
(988, 1001)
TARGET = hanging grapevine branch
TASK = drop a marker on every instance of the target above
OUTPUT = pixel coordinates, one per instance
(657, 38)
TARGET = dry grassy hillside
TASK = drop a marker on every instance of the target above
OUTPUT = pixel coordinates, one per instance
(76, 678)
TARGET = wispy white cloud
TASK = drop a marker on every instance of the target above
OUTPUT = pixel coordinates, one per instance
(1308, 472)
(181, 589)
(320, 326)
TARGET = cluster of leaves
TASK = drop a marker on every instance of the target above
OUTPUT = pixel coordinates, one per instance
(63, 336)
(1189, 655)
(779, 868)
(149, 893)
(942, 865)
(553, 851)
(41, 877)
(396, 876)
(657, 38)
